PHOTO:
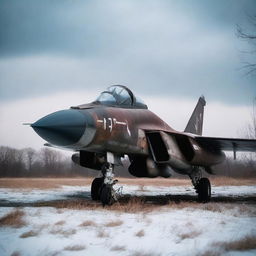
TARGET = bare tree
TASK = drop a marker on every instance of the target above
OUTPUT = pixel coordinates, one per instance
(251, 128)
(30, 155)
(250, 37)
(250, 133)
(51, 160)
(11, 161)
(6, 157)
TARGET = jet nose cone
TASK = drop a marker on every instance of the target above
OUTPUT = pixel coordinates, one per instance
(61, 128)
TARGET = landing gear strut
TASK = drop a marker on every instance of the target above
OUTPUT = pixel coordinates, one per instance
(201, 185)
(102, 188)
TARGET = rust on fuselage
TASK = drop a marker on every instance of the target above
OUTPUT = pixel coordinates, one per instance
(122, 129)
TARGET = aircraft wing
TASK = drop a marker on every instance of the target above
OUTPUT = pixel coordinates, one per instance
(227, 143)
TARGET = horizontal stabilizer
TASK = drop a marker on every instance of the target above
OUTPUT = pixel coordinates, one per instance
(228, 144)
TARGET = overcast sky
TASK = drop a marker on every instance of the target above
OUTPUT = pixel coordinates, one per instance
(163, 50)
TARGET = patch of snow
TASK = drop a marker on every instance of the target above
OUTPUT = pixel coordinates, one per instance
(169, 231)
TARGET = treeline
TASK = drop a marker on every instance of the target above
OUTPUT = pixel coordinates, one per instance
(29, 162)
(47, 162)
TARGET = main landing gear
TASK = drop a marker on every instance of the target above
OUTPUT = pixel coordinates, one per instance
(102, 188)
(201, 185)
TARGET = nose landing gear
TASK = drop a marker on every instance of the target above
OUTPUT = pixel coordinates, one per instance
(102, 188)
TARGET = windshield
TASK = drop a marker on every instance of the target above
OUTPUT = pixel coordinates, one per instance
(119, 95)
(106, 98)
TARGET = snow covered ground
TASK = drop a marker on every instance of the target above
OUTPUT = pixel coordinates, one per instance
(185, 228)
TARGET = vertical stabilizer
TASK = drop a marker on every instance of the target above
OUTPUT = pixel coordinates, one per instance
(195, 123)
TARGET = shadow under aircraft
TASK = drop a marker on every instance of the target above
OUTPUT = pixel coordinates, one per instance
(118, 123)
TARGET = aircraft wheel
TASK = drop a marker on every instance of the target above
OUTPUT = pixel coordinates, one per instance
(106, 195)
(204, 190)
(95, 188)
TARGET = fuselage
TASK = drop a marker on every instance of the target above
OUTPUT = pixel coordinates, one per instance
(100, 129)
(120, 123)
(119, 130)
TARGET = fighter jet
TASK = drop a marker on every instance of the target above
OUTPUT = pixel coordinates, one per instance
(119, 124)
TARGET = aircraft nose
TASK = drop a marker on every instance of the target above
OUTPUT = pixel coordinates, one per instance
(61, 128)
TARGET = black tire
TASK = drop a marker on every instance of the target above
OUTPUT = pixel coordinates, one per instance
(95, 188)
(106, 195)
(204, 190)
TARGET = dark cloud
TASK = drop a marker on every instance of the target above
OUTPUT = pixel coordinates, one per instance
(32, 27)
(156, 47)
(87, 27)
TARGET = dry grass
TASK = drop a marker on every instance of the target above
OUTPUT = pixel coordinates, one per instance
(210, 253)
(115, 223)
(75, 248)
(29, 234)
(140, 233)
(189, 235)
(88, 223)
(63, 232)
(13, 219)
(48, 183)
(43, 183)
(146, 204)
(118, 248)
(228, 181)
(243, 244)
(129, 205)
(141, 182)
(234, 209)
(135, 204)
(145, 254)
(60, 223)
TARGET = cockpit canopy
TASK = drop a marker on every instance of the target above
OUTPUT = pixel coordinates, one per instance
(120, 96)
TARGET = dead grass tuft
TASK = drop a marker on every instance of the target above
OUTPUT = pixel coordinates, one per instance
(75, 248)
(29, 234)
(140, 233)
(134, 204)
(243, 244)
(60, 231)
(210, 253)
(60, 223)
(13, 219)
(114, 223)
(234, 209)
(181, 205)
(145, 254)
(190, 235)
(88, 223)
(118, 248)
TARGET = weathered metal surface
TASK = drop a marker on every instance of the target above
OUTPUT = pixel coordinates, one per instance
(120, 123)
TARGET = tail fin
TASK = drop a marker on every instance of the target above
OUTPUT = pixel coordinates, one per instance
(195, 123)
